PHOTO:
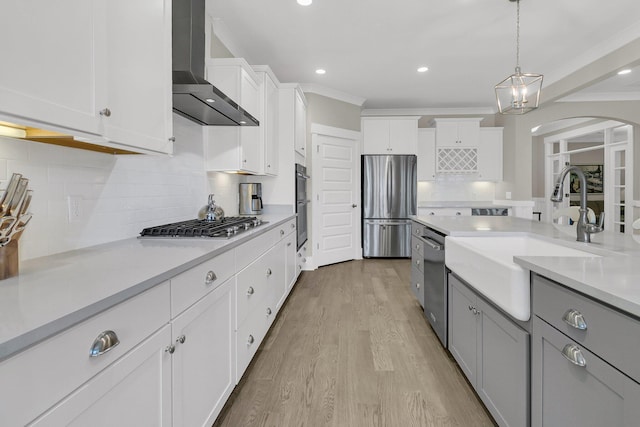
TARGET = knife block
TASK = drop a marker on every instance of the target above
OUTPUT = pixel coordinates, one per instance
(9, 260)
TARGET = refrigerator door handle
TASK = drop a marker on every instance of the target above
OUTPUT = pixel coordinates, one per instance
(389, 188)
(378, 222)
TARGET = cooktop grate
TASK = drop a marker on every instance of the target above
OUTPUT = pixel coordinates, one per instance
(226, 227)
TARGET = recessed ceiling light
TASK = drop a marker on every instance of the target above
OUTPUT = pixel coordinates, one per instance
(625, 71)
(305, 2)
(423, 69)
(210, 100)
(321, 71)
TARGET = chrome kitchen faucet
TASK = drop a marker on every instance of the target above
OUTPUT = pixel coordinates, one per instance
(583, 228)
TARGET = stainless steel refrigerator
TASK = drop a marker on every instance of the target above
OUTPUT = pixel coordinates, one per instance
(389, 187)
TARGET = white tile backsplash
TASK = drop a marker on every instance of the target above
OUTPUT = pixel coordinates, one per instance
(454, 188)
(120, 195)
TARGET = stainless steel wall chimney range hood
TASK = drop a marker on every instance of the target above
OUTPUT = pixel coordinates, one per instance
(193, 96)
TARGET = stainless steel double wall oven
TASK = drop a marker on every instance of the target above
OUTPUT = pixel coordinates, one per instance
(301, 204)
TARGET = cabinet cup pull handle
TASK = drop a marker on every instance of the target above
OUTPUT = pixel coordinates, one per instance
(181, 339)
(573, 354)
(103, 343)
(575, 319)
(268, 272)
(211, 277)
(250, 340)
(250, 291)
(105, 112)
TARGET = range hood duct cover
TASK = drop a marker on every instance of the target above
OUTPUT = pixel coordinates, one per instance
(193, 96)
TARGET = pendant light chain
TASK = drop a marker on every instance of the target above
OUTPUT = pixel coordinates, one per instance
(518, 36)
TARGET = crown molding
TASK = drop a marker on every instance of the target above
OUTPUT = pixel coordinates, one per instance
(428, 111)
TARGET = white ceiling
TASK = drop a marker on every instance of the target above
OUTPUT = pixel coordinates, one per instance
(372, 48)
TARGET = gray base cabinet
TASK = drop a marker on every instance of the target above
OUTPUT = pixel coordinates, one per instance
(492, 351)
(582, 369)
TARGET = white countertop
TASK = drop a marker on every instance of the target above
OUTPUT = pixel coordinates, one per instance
(56, 292)
(461, 204)
(613, 278)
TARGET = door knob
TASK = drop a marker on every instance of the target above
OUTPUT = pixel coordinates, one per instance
(354, 205)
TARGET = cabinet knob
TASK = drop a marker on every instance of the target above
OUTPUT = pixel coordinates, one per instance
(244, 161)
(293, 225)
(103, 343)
(417, 247)
(172, 139)
(268, 272)
(211, 277)
(170, 349)
(288, 244)
(573, 354)
(105, 112)
(181, 339)
(417, 262)
(250, 291)
(458, 213)
(250, 340)
(575, 319)
(299, 255)
(417, 285)
(432, 213)
(354, 205)
(281, 232)
(268, 311)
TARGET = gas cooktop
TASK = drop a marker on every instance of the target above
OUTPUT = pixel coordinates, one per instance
(224, 228)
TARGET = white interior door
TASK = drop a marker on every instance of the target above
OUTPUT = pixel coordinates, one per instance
(336, 195)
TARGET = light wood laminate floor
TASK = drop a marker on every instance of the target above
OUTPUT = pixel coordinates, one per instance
(350, 348)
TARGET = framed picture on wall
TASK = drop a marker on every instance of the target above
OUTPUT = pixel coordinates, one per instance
(595, 179)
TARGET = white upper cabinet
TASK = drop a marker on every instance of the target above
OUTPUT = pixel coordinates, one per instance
(390, 135)
(99, 70)
(293, 120)
(426, 154)
(234, 148)
(300, 124)
(236, 79)
(48, 71)
(457, 132)
(269, 109)
(139, 94)
(490, 154)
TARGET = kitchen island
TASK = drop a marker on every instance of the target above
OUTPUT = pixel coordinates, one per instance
(576, 345)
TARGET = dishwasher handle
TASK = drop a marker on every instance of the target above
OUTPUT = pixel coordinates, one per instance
(432, 244)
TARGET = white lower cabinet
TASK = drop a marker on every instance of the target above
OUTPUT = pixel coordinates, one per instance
(183, 346)
(493, 353)
(41, 376)
(290, 261)
(135, 391)
(203, 357)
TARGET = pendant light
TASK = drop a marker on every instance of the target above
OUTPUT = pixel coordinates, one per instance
(520, 92)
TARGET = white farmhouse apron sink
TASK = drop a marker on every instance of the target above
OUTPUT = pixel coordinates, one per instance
(486, 263)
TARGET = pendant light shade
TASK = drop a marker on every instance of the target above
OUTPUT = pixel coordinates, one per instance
(520, 92)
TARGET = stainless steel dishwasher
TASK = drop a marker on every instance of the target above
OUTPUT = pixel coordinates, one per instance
(435, 284)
